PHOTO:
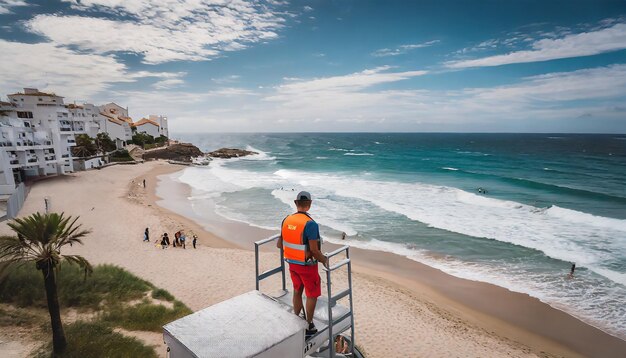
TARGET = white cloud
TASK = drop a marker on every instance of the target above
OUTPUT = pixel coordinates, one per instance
(346, 83)
(63, 71)
(168, 83)
(6, 5)
(593, 42)
(401, 50)
(354, 102)
(164, 30)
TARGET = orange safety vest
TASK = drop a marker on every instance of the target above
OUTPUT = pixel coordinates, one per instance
(292, 232)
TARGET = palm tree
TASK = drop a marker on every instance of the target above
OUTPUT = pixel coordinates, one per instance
(39, 240)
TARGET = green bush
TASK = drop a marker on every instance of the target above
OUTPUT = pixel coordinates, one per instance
(142, 139)
(144, 316)
(24, 286)
(161, 294)
(121, 155)
(96, 339)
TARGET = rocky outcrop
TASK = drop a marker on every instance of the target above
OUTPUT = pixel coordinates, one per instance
(227, 153)
(181, 152)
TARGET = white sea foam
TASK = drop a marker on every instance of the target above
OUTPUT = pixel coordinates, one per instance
(561, 233)
(449, 168)
(360, 154)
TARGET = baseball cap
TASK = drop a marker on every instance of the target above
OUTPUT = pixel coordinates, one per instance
(303, 196)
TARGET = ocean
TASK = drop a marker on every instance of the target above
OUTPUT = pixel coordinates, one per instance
(550, 200)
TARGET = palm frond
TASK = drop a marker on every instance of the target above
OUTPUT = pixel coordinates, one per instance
(80, 262)
(40, 238)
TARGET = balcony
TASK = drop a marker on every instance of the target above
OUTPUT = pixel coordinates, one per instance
(14, 161)
(32, 160)
(66, 129)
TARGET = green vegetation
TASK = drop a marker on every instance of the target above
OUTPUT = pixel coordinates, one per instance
(107, 283)
(38, 244)
(88, 147)
(161, 294)
(105, 143)
(147, 141)
(85, 146)
(120, 299)
(142, 139)
(96, 339)
(145, 316)
(121, 155)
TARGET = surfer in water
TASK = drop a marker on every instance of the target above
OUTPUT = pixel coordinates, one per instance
(571, 273)
(481, 190)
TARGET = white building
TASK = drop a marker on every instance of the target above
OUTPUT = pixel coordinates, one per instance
(116, 122)
(162, 122)
(149, 127)
(38, 132)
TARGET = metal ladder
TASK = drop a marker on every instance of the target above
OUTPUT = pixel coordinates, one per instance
(331, 301)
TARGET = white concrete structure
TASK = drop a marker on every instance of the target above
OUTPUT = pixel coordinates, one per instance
(162, 122)
(116, 111)
(149, 127)
(116, 123)
(118, 130)
(38, 134)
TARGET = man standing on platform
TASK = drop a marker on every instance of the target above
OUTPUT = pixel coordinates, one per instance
(301, 243)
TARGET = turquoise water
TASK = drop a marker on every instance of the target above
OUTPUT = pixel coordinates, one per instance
(551, 200)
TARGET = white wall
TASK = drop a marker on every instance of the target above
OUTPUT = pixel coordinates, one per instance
(150, 129)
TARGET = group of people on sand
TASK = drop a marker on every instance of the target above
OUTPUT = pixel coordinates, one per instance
(180, 239)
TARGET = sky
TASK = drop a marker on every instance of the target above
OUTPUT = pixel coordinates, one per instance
(329, 66)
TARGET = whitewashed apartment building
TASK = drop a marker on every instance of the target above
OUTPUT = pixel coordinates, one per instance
(37, 133)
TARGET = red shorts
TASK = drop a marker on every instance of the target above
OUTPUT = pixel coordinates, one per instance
(308, 277)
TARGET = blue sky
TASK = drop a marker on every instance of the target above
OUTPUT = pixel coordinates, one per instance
(343, 65)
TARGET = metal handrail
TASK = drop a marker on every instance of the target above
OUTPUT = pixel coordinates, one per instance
(270, 272)
(332, 300)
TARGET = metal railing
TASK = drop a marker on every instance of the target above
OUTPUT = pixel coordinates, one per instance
(332, 300)
(270, 272)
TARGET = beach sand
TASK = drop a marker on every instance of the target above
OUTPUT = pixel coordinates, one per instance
(402, 308)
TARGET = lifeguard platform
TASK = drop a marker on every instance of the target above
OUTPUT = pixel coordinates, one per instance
(257, 324)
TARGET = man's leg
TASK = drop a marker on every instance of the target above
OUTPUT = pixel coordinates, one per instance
(310, 307)
(297, 301)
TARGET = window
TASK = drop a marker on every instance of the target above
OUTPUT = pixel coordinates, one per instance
(24, 114)
(40, 99)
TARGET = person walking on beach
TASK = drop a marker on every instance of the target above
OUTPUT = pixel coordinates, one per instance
(146, 236)
(144, 183)
(165, 241)
(182, 239)
(301, 243)
(195, 238)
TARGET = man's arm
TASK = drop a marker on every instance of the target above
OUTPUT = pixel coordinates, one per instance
(315, 251)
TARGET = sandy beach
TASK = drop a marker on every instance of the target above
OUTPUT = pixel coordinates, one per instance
(402, 308)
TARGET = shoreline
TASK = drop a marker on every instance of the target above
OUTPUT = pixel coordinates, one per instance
(512, 315)
(396, 314)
